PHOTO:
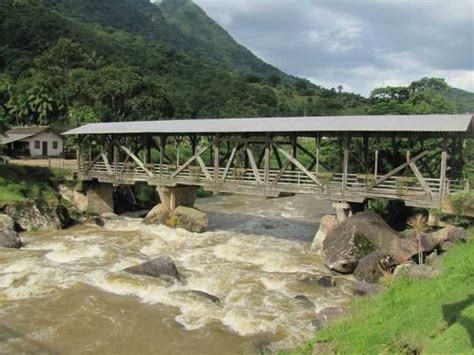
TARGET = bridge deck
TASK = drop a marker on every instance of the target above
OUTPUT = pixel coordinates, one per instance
(244, 181)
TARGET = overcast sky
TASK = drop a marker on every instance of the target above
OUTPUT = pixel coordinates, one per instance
(360, 44)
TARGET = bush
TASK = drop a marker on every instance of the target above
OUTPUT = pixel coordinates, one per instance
(462, 202)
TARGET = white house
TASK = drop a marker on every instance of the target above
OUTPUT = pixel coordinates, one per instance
(32, 141)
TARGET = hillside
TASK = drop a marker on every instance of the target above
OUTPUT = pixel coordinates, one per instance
(68, 62)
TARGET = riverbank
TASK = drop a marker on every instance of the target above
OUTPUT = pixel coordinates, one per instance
(429, 316)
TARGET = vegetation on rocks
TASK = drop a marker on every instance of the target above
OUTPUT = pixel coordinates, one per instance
(433, 316)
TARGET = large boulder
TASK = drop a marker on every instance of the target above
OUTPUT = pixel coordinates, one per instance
(7, 221)
(37, 215)
(325, 225)
(158, 215)
(415, 271)
(358, 236)
(9, 238)
(369, 268)
(160, 267)
(190, 219)
(448, 236)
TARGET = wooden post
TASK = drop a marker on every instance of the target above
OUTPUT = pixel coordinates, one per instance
(162, 153)
(116, 159)
(444, 165)
(79, 153)
(318, 150)
(345, 167)
(216, 162)
(148, 151)
(366, 154)
(266, 159)
(294, 151)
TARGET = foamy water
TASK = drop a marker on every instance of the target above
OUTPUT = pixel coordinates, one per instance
(254, 260)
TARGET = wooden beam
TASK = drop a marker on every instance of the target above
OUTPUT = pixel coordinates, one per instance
(138, 161)
(277, 156)
(253, 165)
(216, 160)
(266, 168)
(190, 160)
(229, 162)
(396, 170)
(345, 164)
(204, 169)
(444, 166)
(280, 174)
(91, 164)
(297, 164)
(107, 165)
(423, 183)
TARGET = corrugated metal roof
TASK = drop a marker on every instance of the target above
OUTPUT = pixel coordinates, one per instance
(31, 130)
(14, 138)
(414, 123)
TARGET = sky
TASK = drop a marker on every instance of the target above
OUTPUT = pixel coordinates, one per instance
(359, 44)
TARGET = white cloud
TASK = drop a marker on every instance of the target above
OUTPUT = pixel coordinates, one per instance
(360, 44)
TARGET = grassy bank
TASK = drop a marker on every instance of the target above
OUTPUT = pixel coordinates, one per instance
(20, 183)
(433, 316)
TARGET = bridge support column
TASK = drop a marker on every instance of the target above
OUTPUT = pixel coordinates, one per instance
(343, 210)
(172, 197)
(99, 198)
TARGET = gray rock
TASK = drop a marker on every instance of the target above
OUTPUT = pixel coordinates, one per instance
(212, 298)
(158, 215)
(7, 221)
(415, 271)
(31, 216)
(323, 281)
(369, 268)
(448, 236)
(351, 240)
(190, 219)
(9, 238)
(325, 225)
(160, 267)
(304, 301)
(362, 288)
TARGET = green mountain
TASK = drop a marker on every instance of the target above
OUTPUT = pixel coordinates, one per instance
(67, 62)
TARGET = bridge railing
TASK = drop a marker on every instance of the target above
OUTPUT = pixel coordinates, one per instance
(330, 183)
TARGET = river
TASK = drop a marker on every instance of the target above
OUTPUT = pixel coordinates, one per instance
(65, 291)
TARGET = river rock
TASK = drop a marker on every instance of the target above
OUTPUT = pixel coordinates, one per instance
(328, 314)
(359, 235)
(362, 288)
(31, 216)
(190, 219)
(304, 301)
(325, 225)
(158, 215)
(369, 268)
(160, 267)
(415, 272)
(7, 221)
(323, 281)
(9, 238)
(212, 298)
(428, 242)
(448, 236)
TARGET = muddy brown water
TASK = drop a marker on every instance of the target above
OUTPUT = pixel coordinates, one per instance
(65, 292)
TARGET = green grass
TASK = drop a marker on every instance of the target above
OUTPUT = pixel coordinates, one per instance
(20, 183)
(433, 316)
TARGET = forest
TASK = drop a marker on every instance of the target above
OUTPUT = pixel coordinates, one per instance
(65, 63)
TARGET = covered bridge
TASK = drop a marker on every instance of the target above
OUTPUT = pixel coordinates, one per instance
(336, 158)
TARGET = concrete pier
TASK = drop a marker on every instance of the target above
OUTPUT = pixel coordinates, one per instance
(172, 197)
(99, 198)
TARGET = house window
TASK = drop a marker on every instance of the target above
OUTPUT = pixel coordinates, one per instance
(37, 145)
(55, 144)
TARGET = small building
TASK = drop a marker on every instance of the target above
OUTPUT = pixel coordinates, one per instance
(32, 141)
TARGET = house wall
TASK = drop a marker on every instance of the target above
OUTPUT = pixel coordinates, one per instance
(48, 137)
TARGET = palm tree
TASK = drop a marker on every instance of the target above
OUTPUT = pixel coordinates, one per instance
(419, 224)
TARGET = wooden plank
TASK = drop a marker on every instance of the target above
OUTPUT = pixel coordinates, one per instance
(92, 163)
(204, 168)
(345, 164)
(396, 170)
(216, 160)
(297, 164)
(254, 166)
(190, 160)
(421, 180)
(266, 161)
(138, 161)
(277, 156)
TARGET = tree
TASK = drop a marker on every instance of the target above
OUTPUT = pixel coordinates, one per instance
(419, 224)
(340, 88)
